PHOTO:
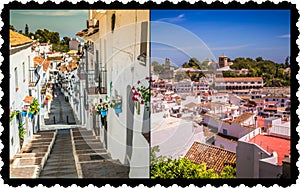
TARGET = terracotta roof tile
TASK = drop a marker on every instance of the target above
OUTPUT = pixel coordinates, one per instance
(46, 65)
(243, 117)
(38, 61)
(214, 157)
(28, 99)
(239, 79)
(16, 39)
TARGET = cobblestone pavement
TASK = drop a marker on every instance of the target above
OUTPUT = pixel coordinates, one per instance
(61, 110)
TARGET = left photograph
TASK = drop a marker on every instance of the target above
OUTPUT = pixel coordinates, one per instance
(79, 93)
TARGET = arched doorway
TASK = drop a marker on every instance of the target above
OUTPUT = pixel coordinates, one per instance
(129, 125)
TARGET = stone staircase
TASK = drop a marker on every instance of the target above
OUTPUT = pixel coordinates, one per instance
(61, 163)
(66, 153)
(92, 159)
(32, 157)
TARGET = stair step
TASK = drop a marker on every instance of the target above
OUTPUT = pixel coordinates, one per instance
(88, 151)
(60, 174)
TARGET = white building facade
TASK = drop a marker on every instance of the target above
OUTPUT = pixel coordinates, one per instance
(117, 58)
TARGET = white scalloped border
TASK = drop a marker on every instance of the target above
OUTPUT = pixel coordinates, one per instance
(2, 2)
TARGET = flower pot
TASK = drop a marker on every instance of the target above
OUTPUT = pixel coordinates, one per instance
(118, 109)
(42, 105)
(45, 102)
(103, 113)
(30, 115)
(24, 113)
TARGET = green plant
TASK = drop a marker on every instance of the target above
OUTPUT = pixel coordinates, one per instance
(22, 133)
(114, 101)
(12, 115)
(163, 167)
(141, 93)
(34, 107)
(102, 106)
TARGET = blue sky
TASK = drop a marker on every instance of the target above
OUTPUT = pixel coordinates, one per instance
(234, 33)
(66, 22)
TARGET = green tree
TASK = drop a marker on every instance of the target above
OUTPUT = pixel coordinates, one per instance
(11, 27)
(26, 30)
(181, 75)
(158, 68)
(162, 167)
(287, 61)
(66, 41)
(258, 59)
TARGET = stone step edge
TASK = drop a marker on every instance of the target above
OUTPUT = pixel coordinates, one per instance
(40, 166)
(46, 156)
(77, 165)
(35, 175)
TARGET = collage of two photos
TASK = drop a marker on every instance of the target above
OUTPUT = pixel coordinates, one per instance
(151, 94)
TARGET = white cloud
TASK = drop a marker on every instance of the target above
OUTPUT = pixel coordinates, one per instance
(178, 18)
(284, 36)
(230, 47)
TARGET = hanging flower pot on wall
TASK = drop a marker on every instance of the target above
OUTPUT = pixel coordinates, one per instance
(118, 108)
(24, 113)
(103, 113)
(30, 115)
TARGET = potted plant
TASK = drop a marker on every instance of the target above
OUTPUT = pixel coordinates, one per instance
(102, 108)
(34, 108)
(24, 111)
(116, 104)
(141, 93)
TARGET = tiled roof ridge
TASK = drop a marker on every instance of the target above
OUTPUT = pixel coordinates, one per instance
(239, 78)
(215, 158)
(17, 39)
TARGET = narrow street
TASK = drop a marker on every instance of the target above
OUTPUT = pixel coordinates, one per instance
(61, 111)
(61, 163)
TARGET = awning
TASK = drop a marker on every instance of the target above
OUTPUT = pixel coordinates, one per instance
(28, 99)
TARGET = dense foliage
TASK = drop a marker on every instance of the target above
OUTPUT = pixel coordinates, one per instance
(46, 36)
(162, 167)
(273, 74)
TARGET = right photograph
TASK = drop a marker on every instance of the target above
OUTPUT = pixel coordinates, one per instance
(220, 94)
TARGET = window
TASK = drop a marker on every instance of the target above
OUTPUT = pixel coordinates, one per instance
(225, 131)
(96, 77)
(16, 79)
(144, 41)
(102, 87)
(113, 22)
(23, 65)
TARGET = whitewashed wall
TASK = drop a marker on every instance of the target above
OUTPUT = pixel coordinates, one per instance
(16, 97)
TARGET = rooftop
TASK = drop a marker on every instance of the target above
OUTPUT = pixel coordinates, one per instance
(16, 39)
(273, 144)
(243, 117)
(239, 79)
(28, 99)
(214, 157)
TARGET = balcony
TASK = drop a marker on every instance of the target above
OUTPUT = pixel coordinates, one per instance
(34, 77)
(92, 23)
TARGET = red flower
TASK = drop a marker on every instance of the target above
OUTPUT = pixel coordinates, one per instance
(134, 99)
(138, 82)
(133, 88)
(147, 78)
(135, 93)
(142, 102)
